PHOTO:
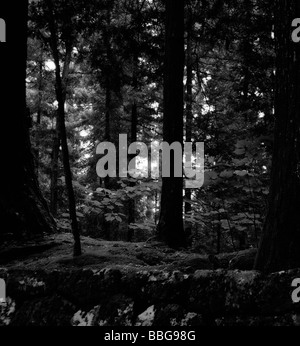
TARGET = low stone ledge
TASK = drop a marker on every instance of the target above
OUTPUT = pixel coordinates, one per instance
(113, 296)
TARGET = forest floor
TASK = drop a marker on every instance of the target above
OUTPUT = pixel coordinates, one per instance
(55, 252)
(115, 283)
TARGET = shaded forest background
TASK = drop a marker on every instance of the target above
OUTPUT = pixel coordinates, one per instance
(114, 86)
(95, 70)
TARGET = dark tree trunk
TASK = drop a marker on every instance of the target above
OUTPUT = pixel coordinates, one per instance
(131, 204)
(108, 107)
(246, 57)
(108, 72)
(188, 114)
(54, 168)
(39, 112)
(170, 226)
(61, 96)
(280, 243)
(134, 121)
(23, 210)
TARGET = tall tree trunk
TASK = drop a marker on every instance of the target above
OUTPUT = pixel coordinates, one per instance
(108, 72)
(61, 95)
(170, 226)
(246, 57)
(134, 121)
(108, 107)
(23, 210)
(54, 168)
(280, 242)
(39, 111)
(131, 204)
(188, 114)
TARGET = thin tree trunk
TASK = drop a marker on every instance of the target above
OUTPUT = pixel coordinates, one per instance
(246, 55)
(61, 95)
(134, 121)
(189, 115)
(54, 168)
(131, 205)
(39, 112)
(107, 121)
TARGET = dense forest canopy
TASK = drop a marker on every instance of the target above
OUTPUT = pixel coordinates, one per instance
(187, 71)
